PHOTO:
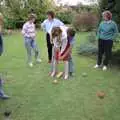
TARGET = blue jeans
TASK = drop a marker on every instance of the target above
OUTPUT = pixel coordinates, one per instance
(71, 65)
(31, 46)
(1, 90)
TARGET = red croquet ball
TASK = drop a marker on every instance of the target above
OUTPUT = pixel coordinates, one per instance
(101, 95)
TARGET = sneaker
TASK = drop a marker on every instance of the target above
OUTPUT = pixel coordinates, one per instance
(96, 66)
(30, 64)
(3, 96)
(53, 74)
(66, 77)
(71, 74)
(39, 60)
(104, 68)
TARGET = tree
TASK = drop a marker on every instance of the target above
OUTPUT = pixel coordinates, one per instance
(18, 10)
(113, 6)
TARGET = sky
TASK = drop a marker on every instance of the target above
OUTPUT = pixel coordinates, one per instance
(74, 2)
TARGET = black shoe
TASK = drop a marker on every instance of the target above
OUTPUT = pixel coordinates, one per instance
(71, 74)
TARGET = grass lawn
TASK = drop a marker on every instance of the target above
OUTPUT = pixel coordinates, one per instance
(35, 97)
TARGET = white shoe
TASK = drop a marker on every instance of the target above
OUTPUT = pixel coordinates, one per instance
(104, 68)
(53, 74)
(30, 64)
(96, 66)
(66, 77)
(39, 60)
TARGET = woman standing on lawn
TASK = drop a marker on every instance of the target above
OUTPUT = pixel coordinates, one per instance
(29, 34)
(107, 32)
(48, 25)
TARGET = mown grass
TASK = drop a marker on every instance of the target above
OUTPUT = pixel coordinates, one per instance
(35, 97)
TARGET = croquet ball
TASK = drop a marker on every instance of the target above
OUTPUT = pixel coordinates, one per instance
(55, 81)
(101, 95)
(84, 74)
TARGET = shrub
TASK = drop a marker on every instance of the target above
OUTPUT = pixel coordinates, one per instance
(17, 23)
(90, 46)
(41, 18)
(9, 24)
(85, 21)
(116, 52)
(116, 57)
(66, 16)
(13, 23)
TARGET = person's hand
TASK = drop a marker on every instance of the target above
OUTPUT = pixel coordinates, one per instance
(60, 58)
(57, 50)
(33, 37)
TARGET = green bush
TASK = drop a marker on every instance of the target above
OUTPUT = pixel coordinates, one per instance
(66, 17)
(9, 24)
(90, 46)
(116, 57)
(41, 18)
(18, 23)
(116, 52)
(13, 23)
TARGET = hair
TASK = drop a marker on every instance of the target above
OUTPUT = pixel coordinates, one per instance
(51, 13)
(108, 14)
(56, 32)
(71, 32)
(32, 16)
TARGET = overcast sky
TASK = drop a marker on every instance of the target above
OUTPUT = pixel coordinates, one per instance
(74, 2)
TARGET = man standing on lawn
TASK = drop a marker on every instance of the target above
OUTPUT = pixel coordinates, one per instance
(2, 95)
(47, 26)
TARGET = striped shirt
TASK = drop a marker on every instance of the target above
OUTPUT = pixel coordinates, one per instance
(29, 30)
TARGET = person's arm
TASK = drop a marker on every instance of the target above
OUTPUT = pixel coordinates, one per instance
(66, 53)
(99, 30)
(60, 23)
(24, 29)
(116, 31)
(72, 42)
